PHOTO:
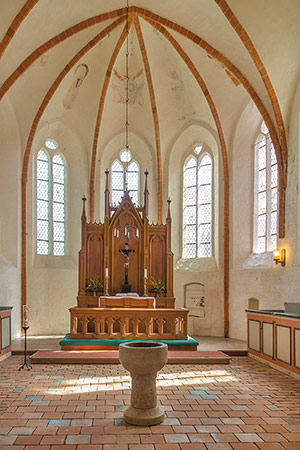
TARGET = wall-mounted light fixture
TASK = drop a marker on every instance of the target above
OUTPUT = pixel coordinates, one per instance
(279, 256)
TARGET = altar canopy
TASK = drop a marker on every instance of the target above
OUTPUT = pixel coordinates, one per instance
(101, 245)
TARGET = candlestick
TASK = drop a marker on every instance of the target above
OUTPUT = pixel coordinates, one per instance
(145, 285)
(25, 364)
(25, 316)
(106, 284)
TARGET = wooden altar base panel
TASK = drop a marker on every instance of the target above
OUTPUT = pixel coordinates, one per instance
(112, 357)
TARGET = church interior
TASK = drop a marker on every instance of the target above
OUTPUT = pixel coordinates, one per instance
(149, 190)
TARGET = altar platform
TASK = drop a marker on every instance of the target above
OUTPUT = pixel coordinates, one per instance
(112, 357)
(232, 347)
(67, 343)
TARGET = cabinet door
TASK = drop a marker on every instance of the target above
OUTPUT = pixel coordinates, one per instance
(5, 332)
(254, 335)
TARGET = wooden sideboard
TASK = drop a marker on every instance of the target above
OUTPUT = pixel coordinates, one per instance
(274, 337)
(5, 331)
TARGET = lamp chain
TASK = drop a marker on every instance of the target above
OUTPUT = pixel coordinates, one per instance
(127, 96)
(127, 120)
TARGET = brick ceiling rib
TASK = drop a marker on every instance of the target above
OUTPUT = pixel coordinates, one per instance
(99, 117)
(16, 23)
(34, 126)
(217, 120)
(232, 68)
(160, 23)
(245, 38)
(154, 113)
(55, 40)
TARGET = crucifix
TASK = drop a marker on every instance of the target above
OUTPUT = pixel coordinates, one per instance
(126, 252)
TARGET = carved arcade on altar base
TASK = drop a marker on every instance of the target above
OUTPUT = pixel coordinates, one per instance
(126, 252)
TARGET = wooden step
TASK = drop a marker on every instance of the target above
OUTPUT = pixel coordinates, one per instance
(236, 352)
(112, 357)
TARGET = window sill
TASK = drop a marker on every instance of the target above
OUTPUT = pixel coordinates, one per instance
(54, 262)
(258, 261)
(196, 264)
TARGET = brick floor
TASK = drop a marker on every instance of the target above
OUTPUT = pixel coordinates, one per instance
(243, 406)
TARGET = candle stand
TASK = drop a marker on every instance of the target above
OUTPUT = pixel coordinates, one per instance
(25, 364)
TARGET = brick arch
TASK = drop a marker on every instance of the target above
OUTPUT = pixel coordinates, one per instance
(183, 31)
(248, 44)
(154, 114)
(55, 40)
(34, 126)
(100, 112)
(196, 39)
(217, 120)
(99, 118)
(15, 24)
(282, 167)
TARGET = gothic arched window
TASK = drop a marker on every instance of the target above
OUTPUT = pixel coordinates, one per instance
(197, 205)
(266, 193)
(118, 182)
(50, 202)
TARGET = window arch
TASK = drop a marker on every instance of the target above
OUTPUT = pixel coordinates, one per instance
(50, 203)
(124, 172)
(266, 193)
(197, 205)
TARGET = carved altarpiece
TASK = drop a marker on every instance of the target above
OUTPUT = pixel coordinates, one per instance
(101, 242)
(140, 317)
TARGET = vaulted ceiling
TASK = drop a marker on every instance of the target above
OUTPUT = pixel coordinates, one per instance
(196, 61)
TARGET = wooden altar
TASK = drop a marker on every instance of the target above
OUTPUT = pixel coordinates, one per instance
(103, 257)
(101, 242)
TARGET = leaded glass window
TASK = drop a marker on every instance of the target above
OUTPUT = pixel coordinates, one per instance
(119, 182)
(190, 209)
(266, 194)
(58, 204)
(197, 207)
(50, 206)
(132, 180)
(205, 207)
(42, 199)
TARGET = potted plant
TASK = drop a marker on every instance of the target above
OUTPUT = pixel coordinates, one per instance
(157, 286)
(94, 285)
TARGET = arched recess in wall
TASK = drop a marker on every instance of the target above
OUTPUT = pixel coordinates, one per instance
(72, 149)
(242, 170)
(190, 137)
(142, 152)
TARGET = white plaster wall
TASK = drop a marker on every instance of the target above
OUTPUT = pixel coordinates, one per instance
(257, 275)
(10, 169)
(52, 281)
(207, 271)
